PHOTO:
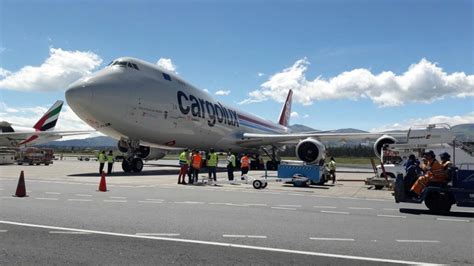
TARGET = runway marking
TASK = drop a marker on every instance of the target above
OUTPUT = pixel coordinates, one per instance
(331, 239)
(83, 195)
(69, 233)
(79, 200)
(261, 237)
(3, 231)
(217, 203)
(293, 194)
(325, 207)
(156, 199)
(7, 197)
(150, 201)
(236, 205)
(115, 201)
(47, 198)
(391, 216)
(53, 193)
(360, 208)
(417, 241)
(452, 220)
(189, 202)
(283, 208)
(294, 206)
(156, 234)
(390, 209)
(257, 204)
(239, 236)
(118, 197)
(335, 212)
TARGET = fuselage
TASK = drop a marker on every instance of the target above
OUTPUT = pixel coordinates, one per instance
(136, 100)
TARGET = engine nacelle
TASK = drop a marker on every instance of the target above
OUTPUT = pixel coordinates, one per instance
(381, 142)
(310, 150)
(154, 154)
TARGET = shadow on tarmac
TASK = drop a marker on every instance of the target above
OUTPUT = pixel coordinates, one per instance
(427, 212)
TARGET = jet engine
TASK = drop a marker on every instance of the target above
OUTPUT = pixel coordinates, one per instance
(310, 150)
(381, 142)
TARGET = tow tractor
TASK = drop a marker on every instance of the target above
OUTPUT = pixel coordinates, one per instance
(439, 199)
(297, 173)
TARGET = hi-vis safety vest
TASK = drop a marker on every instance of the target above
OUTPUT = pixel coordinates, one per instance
(110, 158)
(182, 158)
(197, 161)
(332, 165)
(244, 161)
(101, 158)
(231, 160)
(212, 159)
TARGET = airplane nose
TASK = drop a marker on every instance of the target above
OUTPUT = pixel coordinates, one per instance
(79, 96)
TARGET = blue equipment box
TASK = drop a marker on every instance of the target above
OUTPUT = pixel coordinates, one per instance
(311, 172)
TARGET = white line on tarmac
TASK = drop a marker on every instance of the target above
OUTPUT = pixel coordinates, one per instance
(360, 208)
(79, 200)
(236, 205)
(452, 220)
(239, 236)
(293, 194)
(390, 209)
(217, 203)
(47, 198)
(283, 208)
(325, 207)
(69, 232)
(150, 201)
(249, 247)
(331, 239)
(156, 234)
(53, 193)
(83, 195)
(115, 201)
(294, 206)
(417, 241)
(261, 237)
(335, 212)
(156, 199)
(257, 204)
(3, 231)
(391, 216)
(118, 197)
(189, 202)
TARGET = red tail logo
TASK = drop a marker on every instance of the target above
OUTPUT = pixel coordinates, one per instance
(286, 111)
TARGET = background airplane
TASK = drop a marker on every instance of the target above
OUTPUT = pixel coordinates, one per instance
(41, 132)
(151, 111)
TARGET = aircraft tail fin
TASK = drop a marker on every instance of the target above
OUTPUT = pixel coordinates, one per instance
(285, 114)
(50, 118)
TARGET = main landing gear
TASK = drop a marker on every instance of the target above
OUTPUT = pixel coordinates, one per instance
(132, 165)
(133, 161)
(273, 164)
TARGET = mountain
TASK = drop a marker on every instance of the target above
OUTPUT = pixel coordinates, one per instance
(297, 128)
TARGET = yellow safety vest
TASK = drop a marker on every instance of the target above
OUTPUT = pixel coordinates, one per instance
(332, 165)
(101, 158)
(212, 159)
(182, 158)
(110, 158)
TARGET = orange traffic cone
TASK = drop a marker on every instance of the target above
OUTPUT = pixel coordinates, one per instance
(21, 188)
(102, 185)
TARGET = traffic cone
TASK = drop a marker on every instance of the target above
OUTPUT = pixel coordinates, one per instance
(102, 185)
(21, 188)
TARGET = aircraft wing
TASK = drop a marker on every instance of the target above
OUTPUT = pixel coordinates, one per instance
(269, 139)
(38, 137)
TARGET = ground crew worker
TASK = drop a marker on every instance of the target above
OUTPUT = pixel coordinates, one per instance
(110, 162)
(189, 157)
(244, 165)
(212, 160)
(230, 166)
(101, 159)
(332, 169)
(183, 162)
(197, 160)
(434, 172)
(445, 160)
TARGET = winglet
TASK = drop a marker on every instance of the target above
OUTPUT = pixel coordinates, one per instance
(49, 119)
(286, 111)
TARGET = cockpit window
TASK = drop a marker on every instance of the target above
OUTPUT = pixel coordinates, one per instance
(124, 64)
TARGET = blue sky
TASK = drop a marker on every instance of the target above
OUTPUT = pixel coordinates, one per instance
(224, 45)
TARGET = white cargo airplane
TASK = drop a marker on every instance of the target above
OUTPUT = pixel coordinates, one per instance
(151, 111)
(43, 131)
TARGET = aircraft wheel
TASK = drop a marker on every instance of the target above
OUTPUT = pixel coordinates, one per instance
(265, 184)
(126, 166)
(137, 165)
(438, 203)
(378, 187)
(257, 184)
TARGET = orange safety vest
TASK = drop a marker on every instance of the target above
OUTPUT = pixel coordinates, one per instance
(244, 162)
(197, 161)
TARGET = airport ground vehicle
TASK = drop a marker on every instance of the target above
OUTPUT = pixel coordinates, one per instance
(439, 199)
(7, 156)
(297, 173)
(36, 156)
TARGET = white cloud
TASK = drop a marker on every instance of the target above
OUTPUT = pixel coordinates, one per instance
(59, 70)
(167, 64)
(294, 115)
(450, 120)
(206, 90)
(260, 74)
(4, 73)
(28, 116)
(222, 92)
(422, 82)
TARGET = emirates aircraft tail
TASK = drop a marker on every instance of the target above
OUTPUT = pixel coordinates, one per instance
(50, 118)
(285, 114)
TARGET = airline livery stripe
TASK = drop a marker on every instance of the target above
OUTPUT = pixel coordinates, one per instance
(244, 123)
(30, 139)
(251, 120)
(49, 125)
(43, 119)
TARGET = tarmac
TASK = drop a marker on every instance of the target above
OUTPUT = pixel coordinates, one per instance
(148, 218)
